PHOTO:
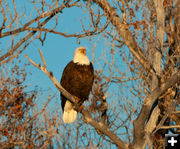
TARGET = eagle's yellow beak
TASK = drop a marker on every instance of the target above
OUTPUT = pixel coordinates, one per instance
(83, 51)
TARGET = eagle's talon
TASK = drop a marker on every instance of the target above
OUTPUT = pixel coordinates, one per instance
(77, 99)
(81, 107)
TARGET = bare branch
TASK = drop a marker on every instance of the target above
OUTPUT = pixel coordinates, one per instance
(4, 17)
(124, 33)
(139, 123)
(43, 60)
(95, 31)
(11, 52)
(169, 127)
(43, 15)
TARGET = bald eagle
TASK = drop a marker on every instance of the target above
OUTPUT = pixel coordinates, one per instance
(77, 79)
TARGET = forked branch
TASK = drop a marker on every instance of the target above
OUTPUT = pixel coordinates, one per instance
(86, 115)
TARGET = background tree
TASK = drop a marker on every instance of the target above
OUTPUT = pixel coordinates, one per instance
(138, 70)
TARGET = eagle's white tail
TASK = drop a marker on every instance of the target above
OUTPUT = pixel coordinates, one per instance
(69, 114)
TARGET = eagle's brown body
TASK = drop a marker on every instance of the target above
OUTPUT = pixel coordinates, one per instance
(77, 80)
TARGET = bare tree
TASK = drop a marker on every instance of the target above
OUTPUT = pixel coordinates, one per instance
(135, 97)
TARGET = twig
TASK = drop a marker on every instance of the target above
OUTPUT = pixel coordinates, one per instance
(169, 127)
(160, 125)
(43, 60)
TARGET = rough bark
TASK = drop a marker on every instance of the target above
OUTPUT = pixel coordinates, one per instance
(157, 56)
(177, 24)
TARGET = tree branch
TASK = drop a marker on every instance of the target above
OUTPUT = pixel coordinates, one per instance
(170, 127)
(124, 33)
(139, 123)
(95, 31)
(43, 15)
(86, 115)
(151, 125)
(51, 15)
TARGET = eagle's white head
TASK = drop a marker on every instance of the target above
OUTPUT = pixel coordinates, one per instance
(80, 56)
